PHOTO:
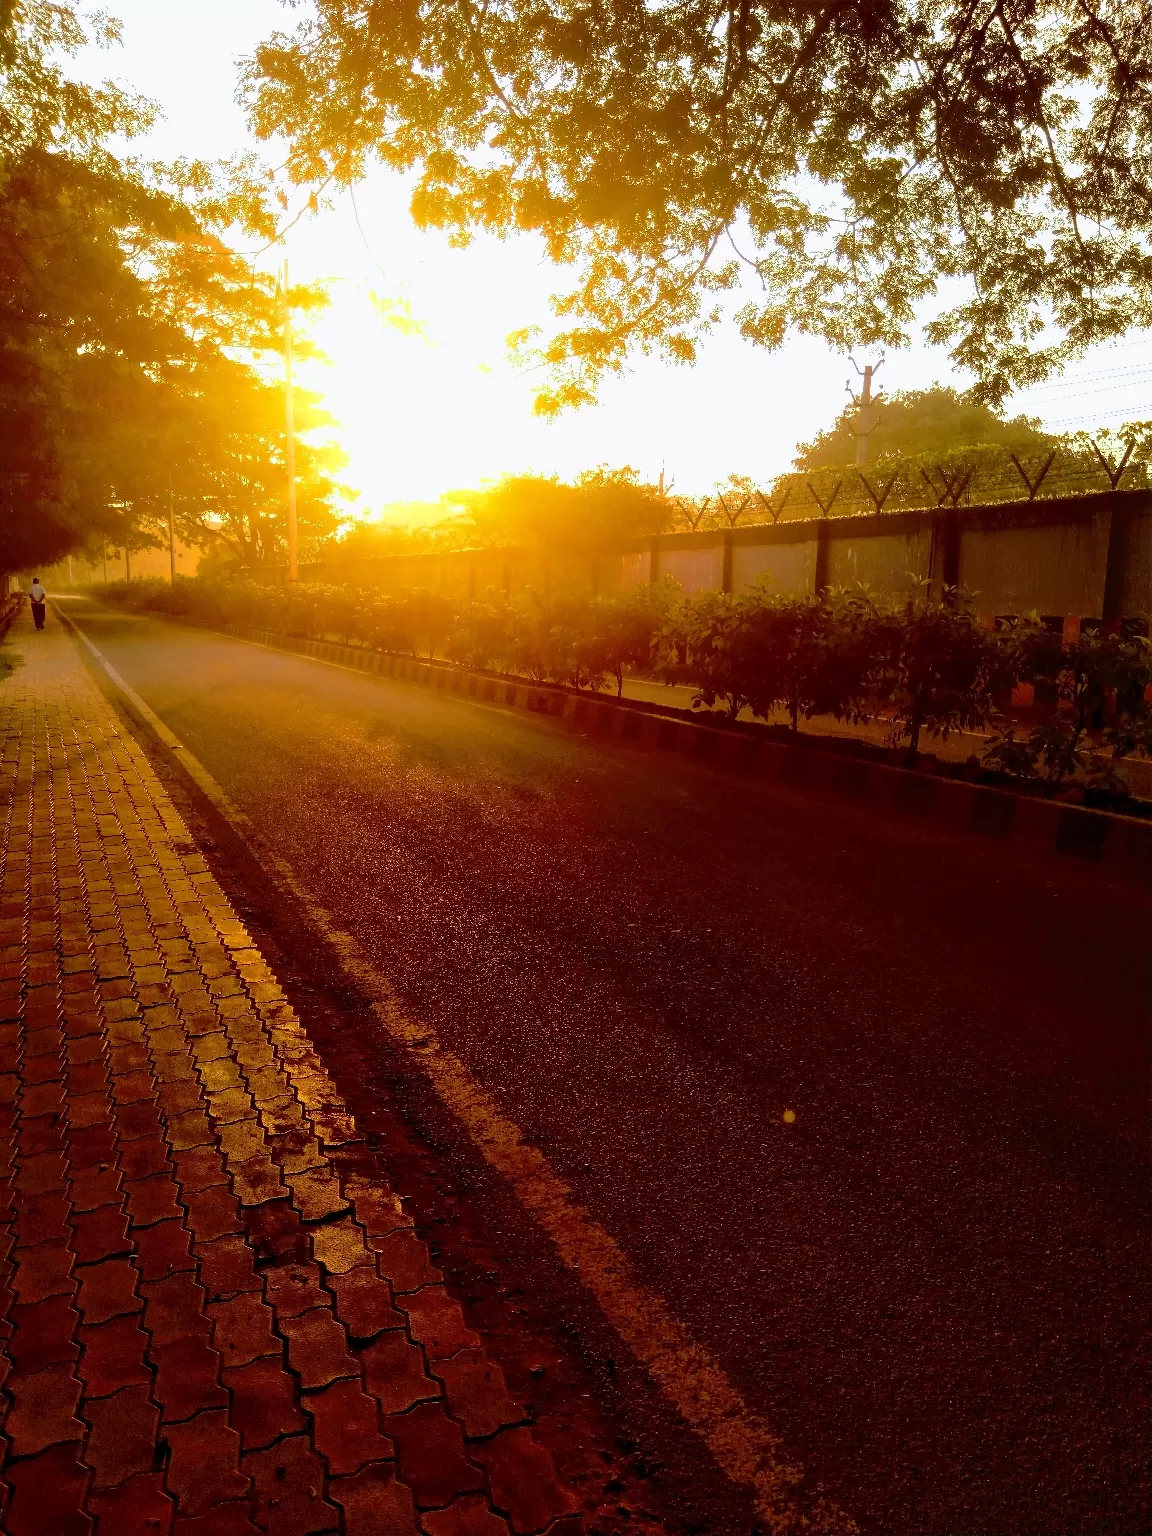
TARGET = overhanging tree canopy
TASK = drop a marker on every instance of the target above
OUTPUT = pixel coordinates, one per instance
(128, 324)
(857, 154)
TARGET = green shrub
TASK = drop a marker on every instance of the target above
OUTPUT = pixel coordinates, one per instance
(482, 635)
(625, 632)
(732, 644)
(927, 666)
(1100, 681)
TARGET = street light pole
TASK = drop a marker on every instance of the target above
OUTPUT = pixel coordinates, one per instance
(289, 432)
(171, 535)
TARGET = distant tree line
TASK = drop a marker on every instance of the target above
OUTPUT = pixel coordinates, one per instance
(927, 448)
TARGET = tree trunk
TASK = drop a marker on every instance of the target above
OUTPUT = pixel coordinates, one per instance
(915, 721)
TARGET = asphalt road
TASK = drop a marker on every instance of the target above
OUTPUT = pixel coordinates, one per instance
(934, 1281)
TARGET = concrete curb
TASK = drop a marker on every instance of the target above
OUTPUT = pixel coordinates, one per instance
(1120, 845)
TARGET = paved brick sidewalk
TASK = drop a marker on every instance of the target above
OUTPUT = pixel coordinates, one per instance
(216, 1319)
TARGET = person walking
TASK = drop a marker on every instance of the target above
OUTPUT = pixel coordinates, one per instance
(38, 596)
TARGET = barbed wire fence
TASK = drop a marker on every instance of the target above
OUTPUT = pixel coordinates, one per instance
(983, 476)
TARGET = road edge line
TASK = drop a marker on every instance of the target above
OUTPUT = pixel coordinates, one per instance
(741, 1443)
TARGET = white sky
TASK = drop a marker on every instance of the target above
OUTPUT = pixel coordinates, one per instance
(419, 417)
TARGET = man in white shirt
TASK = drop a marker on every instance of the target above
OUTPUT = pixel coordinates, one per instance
(38, 595)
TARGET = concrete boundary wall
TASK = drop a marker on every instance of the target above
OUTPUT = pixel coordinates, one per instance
(1121, 845)
(1089, 556)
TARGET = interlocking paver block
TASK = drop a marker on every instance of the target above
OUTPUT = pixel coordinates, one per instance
(92, 1147)
(227, 1266)
(430, 1448)
(242, 1329)
(256, 1180)
(144, 1157)
(316, 1194)
(364, 1303)
(294, 1288)
(404, 1259)
(108, 1289)
(138, 1507)
(346, 1428)
(187, 1377)
(48, 1495)
(199, 1168)
(100, 1234)
(288, 1485)
(43, 1410)
(340, 1246)
(43, 1271)
(378, 1209)
(264, 1402)
(394, 1373)
(96, 1186)
(523, 1481)
(192, 1233)
(152, 1200)
(477, 1392)
(113, 1356)
(122, 1437)
(469, 1516)
(376, 1503)
(162, 1250)
(174, 1308)
(43, 1334)
(436, 1321)
(318, 1348)
(205, 1465)
(213, 1213)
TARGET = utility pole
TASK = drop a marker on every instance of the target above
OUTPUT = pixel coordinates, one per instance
(867, 415)
(171, 534)
(289, 432)
(127, 562)
(105, 562)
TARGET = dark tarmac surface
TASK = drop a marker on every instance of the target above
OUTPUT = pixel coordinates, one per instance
(934, 1283)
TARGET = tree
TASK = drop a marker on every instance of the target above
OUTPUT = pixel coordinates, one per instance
(855, 158)
(938, 667)
(915, 422)
(128, 324)
(600, 509)
(230, 471)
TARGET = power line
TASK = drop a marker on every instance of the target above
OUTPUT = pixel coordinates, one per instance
(1088, 378)
(363, 236)
(1139, 413)
(1099, 389)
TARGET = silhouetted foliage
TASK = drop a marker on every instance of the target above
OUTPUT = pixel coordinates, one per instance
(859, 160)
(1101, 679)
(127, 324)
(936, 666)
(601, 508)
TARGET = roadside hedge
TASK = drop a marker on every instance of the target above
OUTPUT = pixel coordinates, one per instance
(921, 667)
